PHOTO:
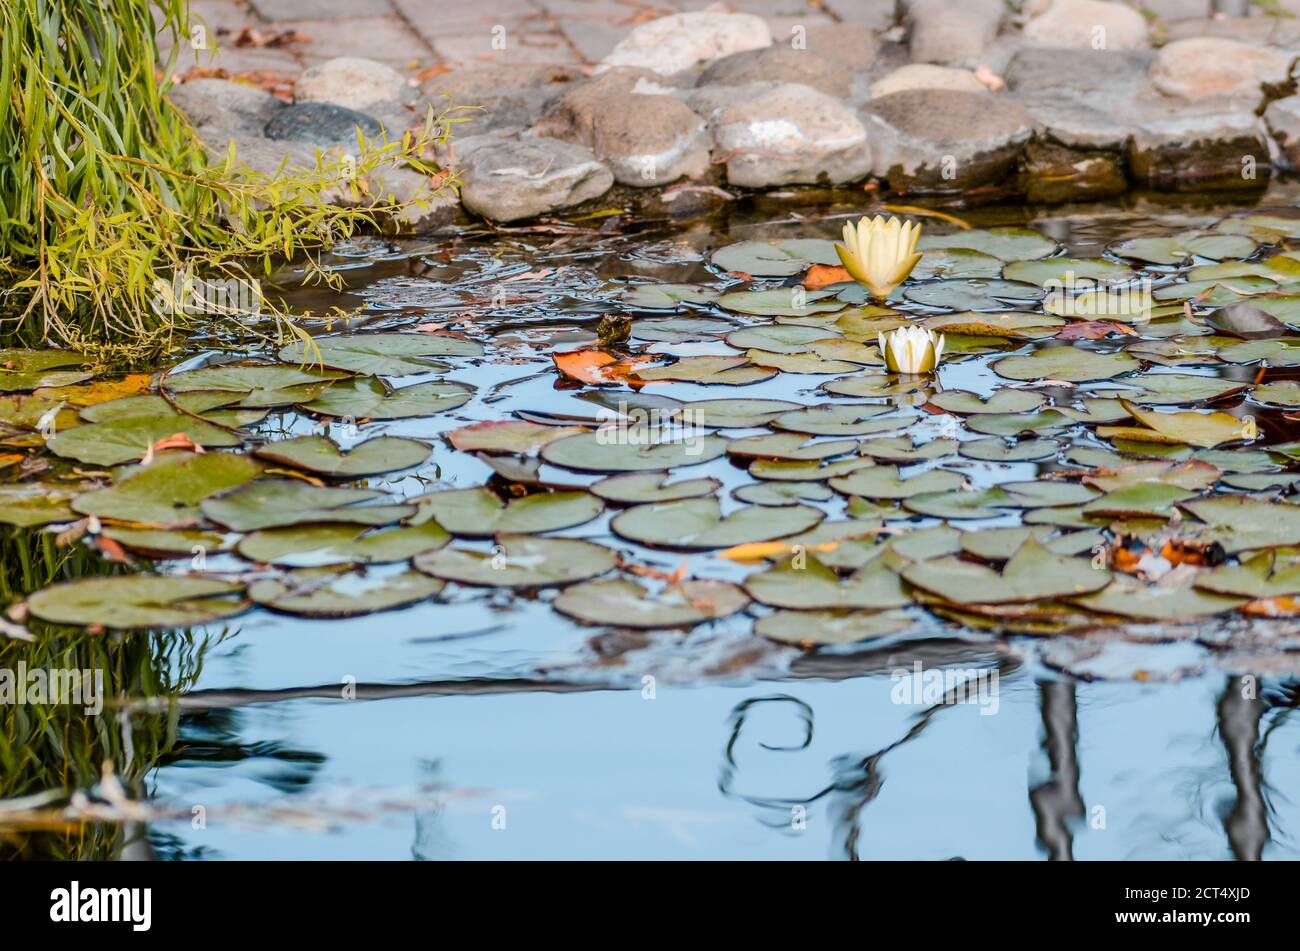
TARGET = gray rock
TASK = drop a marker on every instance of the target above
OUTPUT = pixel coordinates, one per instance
(1035, 70)
(1199, 68)
(952, 34)
(941, 141)
(1087, 24)
(781, 64)
(353, 83)
(1077, 124)
(221, 110)
(527, 177)
(1283, 120)
(852, 46)
(684, 41)
(790, 134)
(322, 124)
(1210, 148)
(645, 140)
(1259, 31)
(498, 97)
(711, 101)
(425, 208)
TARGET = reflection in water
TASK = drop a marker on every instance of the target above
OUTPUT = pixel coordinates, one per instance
(1056, 800)
(1246, 821)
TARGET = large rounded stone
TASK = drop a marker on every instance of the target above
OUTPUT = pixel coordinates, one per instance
(1207, 66)
(943, 140)
(790, 134)
(952, 34)
(644, 139)
(683, 41)
(926, 76)
(780, 64)
(322, 124)
(221, 110)
(1283, 119)
(1200, 149)
(498, 96)
(522, 178)
(1088, 24)
(351, 82)
(1034, 70)
(851, 45)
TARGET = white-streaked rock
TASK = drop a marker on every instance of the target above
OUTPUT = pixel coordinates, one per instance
(684, 41)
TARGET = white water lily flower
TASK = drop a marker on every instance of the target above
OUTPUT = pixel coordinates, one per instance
(879, 253)
(911, 350)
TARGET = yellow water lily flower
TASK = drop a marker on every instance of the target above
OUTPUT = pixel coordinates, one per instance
(879, 253)
(911, 349)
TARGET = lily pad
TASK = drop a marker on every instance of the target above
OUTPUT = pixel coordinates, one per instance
(1178, 248)
(1006, 244)
(1196, 429)
(781, 302)
(138, 601)
(380, 354)
(1256, 578)
(1244, 524)
(775, 258)
(521, 561)
(640, 487)
(257, 384)
(999, 450)
(480, 513)
(810, 629)
(312, 546)
(700, 524)
(838, 419)
(1034, 573)
(628, 604)
(1072, 364)
(1281, 352)
(508, 435)
(313, 593)
(782, 493)
(884, 482)
(1154, 602)
(944, 263)
(728, 371)
(665, 296)
(805, 583)
(1067, 271)
(635, 449)
(274, 503)
(735, 413)
(368, 398)
(973, 294)
(1174, 388)
(168, 490)
(791, 446)
(27, 504)
(323, 456)
(122, 440)
(29, 369)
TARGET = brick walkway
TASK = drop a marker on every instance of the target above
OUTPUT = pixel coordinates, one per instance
(414, 35)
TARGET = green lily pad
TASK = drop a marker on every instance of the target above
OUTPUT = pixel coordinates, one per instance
(734, 413)
(816, 628)
(521, 561)
(276, 503)
(805, 470)
(1195, 429)
(368, 398)
(137, 601)
(1044, 422)
(1174, 388)
(999, 450)
(681, 329)
(28, 504)
(632, 450)
(1072, 364)
(639, 487)
(973, 293)
(169, 490)
(809, 362)
(480, 513)
(1006, 244)
(1000, 544)
(1256, 578)
(805, 583)
(312, 546)
(700, 524)
(1130, 598)
(1281, 393)
(30, 369)
(781, 302)
(380, 354)
(876, 385)
(257, 384)
(727, 371)
(902, 449)
(1244, 524)
(323, 456)
(1178, 248)
(945, 263)
(508, 435)
(628, 604)
(665, 296)
(1145, 499)
(312, 593)
(838, 419)
(790, 446)
(122, 440)
(1067, 271)
(775, 258)
(884, 482)
(1001, 402)
(967, 503)
(782, 493)
(1281, 352)
(1033, 573)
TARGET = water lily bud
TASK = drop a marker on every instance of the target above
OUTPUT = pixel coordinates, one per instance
(912, 350)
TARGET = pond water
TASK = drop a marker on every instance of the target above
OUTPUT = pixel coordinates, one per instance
(485, 723)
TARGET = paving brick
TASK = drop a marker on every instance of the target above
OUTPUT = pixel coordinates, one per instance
(315, 9)
(522, 48)
(877, 14)
(386, 39)
(433, 18)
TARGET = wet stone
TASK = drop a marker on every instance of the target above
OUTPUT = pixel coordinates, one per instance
(1206, 150)
(321, 123)
(1054, 173)
(527, 177)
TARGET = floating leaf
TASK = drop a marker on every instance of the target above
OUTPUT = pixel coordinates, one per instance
(1282, 352)
(792, 446)
(775, 258)
(1130, 598)
(1000, 402)
(628, 604)
(380, 354)
(311, 546)
(782, 493)
(1196, 429)
(1173, 388)
(480, 513)
(311, 593)
(969, 503)
(809, 629)
(168, 490)
(639, 487)
(29, 369)
(273, 503)
(368, 398)
(138, 601)
(1067, 272)
(665, 296)
(1244, 524)
(1072, 364)
(121, 440)
(876, 385)
(700, 524)
(809, 470)
(902, 449)
(1180, 247)
(634, 449)
(322, 455)
(884, 482)
(520, 561)
(1243, 320)
(27, 504)
(973, 294)
(942, 263)
(806, 583)
(1006, 244)
(508, 435)
(838, 419)
(998, 450)
(1034, 573)
(1000, 544)
(1255, 578)
(257, 384)
(781, 302)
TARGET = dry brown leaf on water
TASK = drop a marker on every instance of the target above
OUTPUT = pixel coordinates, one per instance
(598, 367)
(1093, 330)
(1284, 606)
(760, 551)
(113, 551)
(645, 571)
(822, 275)
(174, 441)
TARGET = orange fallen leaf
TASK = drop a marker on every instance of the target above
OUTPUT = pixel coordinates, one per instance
(820, 275)
(758, 551)
(598, 367)
(174, 441)
(100, 391)
(1093, 330)
(1286, 606)
(645, 571)
(113, 551)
